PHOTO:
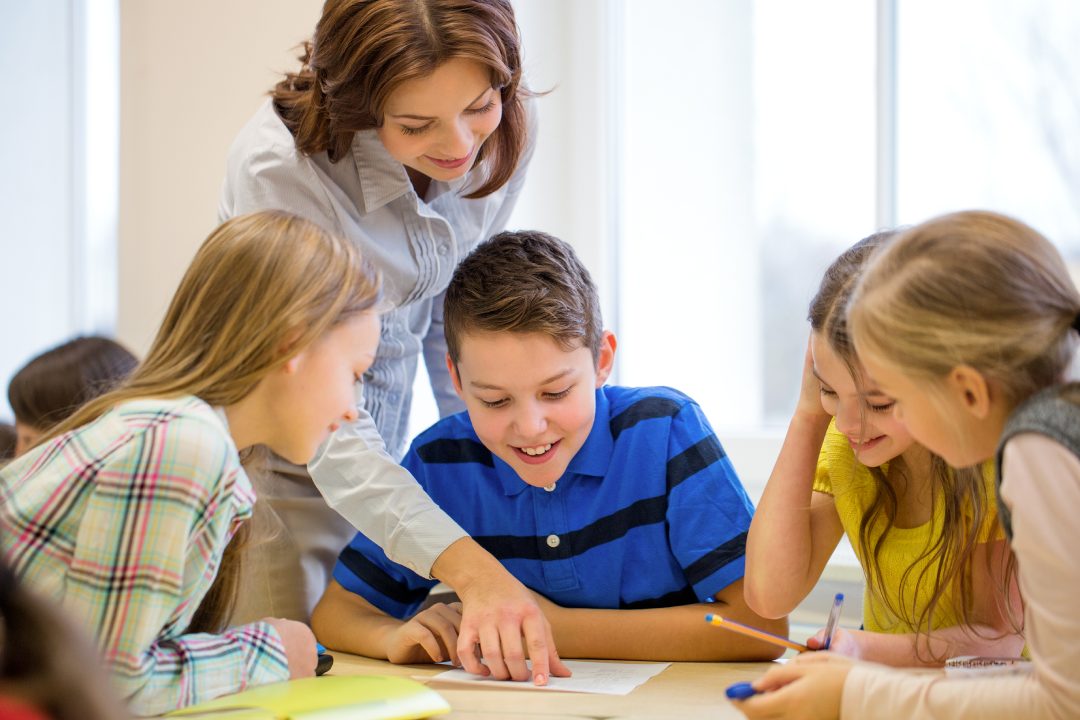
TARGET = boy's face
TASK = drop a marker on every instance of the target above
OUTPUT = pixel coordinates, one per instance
(531, 402)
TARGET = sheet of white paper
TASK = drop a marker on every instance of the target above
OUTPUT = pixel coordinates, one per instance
(605, 678)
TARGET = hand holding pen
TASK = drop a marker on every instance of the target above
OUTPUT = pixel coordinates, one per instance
(742, 691)
(830, 629)
(834, 619)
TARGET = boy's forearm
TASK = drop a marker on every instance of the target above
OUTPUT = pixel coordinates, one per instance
(341, 621)
(670, 634)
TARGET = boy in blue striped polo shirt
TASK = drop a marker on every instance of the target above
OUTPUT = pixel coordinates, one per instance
(616, 506)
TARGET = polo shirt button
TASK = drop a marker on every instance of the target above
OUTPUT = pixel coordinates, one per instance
(550, 488)
(553, 541)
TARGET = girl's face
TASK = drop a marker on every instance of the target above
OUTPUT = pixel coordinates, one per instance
(865, 417)
(937, 415)
(436, 124)
(316, 392)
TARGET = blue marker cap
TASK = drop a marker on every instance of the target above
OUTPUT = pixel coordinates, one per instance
(740, 691)
(320, 649)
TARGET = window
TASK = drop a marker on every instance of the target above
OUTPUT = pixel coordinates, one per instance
(759, 138)
(59, 198)
(709, 159)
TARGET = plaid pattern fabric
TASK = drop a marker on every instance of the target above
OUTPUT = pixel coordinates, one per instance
(123, 522)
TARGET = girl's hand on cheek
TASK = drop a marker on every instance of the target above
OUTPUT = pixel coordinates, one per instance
(809, 404)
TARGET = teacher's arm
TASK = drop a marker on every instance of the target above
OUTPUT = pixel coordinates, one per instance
(502, 621)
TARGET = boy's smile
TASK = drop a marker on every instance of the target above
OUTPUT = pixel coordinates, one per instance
(531, 402)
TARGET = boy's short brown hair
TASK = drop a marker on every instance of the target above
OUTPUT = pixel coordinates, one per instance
(524, 281)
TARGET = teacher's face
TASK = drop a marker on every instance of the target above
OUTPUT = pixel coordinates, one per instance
(436, 124)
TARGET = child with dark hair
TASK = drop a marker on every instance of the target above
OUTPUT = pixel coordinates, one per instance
(617, 506)
(52, 386)
(47, 671)
(7, 442)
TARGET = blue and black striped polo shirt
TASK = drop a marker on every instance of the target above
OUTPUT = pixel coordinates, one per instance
(649, 513)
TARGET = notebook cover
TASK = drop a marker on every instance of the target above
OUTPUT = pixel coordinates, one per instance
(355, 697)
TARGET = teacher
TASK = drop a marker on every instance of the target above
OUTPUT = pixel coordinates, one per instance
(406, 131)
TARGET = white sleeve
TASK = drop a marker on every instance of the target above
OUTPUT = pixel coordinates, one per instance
(359, 480)
(1042, 489)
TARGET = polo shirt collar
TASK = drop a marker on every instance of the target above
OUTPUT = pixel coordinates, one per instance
(382, 178)
(591, 460)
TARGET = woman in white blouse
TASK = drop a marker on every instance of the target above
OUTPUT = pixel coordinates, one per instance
(406, 130)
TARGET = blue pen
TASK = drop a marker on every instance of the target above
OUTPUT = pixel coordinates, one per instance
(740, 691)
(834, 618)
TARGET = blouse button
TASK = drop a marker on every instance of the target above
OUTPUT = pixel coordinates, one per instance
(553, 541)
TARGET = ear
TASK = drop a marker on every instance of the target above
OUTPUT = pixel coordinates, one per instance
(292, 364)
(605, 359)
(971, 390)
(288, 349)
(454, 378)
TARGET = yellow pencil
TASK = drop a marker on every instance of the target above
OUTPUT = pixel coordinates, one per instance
(753, 632)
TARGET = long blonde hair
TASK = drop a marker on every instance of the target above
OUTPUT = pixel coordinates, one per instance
(948, 556)
(261, 288)
(970, 288)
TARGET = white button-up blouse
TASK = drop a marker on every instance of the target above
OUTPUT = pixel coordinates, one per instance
(416, 243)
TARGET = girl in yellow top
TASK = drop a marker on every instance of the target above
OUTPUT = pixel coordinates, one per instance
(938, 571)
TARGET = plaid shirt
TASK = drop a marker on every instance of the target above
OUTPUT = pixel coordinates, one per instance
(123, 522)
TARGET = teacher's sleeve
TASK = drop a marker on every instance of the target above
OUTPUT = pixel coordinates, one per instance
(442, 385)
(359, 479)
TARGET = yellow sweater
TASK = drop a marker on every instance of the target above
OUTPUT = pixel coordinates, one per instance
(854, 489)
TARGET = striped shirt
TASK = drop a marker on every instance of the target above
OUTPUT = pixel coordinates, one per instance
(649, 513)
(123, 522)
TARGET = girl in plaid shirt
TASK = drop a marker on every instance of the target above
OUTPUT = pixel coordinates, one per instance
(131, 513)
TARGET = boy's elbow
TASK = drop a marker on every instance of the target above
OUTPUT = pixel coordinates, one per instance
(320, 626)
(752, 651)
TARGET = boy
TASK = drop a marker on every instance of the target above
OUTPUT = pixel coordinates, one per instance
(617, 506)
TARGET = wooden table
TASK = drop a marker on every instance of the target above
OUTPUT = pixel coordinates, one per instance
(684, 690)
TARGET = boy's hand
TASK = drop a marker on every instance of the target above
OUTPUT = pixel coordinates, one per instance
(809, 687)
(429, 636)
(299, 644)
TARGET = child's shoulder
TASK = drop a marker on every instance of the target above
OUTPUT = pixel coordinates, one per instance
(451, 439)
(186, 410)
(184, 425)
(640, 403)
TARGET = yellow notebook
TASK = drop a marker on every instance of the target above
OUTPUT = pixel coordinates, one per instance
(333, 697)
